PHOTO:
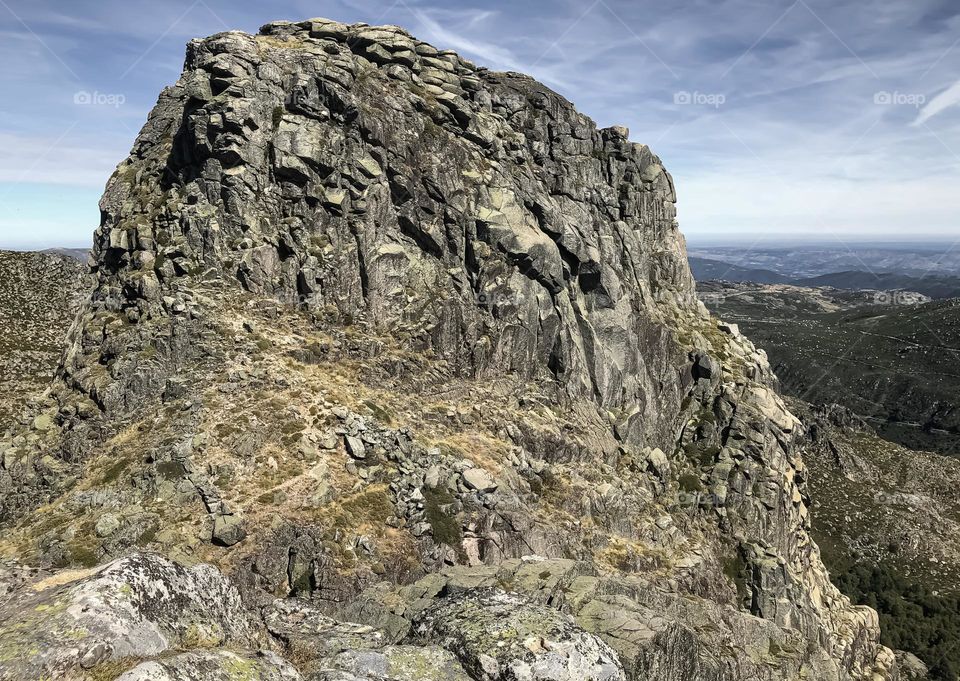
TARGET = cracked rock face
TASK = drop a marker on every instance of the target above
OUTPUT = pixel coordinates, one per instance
(474, 214)
(410, 350)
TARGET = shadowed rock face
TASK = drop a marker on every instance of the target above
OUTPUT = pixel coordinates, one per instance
(375, 327)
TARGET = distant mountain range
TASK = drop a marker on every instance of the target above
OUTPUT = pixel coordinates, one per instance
(717, 270)
(813, 260)
(937, 287)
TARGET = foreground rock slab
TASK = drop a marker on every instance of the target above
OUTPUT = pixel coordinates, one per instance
(220, 665)
(502, 637)
(132, 608)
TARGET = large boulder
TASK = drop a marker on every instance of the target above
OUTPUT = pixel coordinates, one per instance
(308, 634)
(499, 636)
(135, 607)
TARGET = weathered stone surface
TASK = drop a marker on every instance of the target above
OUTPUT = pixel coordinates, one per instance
(401, 663)
(502, 637)
(221, 665)
(310, 635)
(479, 479)
(228, 530)
(135, 607)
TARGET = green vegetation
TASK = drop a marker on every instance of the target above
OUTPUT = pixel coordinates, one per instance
(888, 362)
(690, 483)
(149, 534)
(701, 453)
(113, 472)
(912, 616)
(381, 414)
(735, 568)
(371, 506)
(446, 527)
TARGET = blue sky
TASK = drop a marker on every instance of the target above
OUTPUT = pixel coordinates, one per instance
(777, 118)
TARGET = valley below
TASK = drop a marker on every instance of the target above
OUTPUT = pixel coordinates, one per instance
(888, 356)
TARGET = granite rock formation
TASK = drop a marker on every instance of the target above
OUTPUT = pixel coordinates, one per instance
(395, 341)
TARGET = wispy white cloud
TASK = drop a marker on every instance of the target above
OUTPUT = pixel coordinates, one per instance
(844, 208)
(489, 53)
(946, 99)
(56, 160)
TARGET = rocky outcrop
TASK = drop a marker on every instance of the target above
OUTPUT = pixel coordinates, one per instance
(365, 313)
(135, 607)
(499, 636)
(477, 214)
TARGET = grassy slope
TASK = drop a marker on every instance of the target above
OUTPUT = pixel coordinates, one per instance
(887, 520)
